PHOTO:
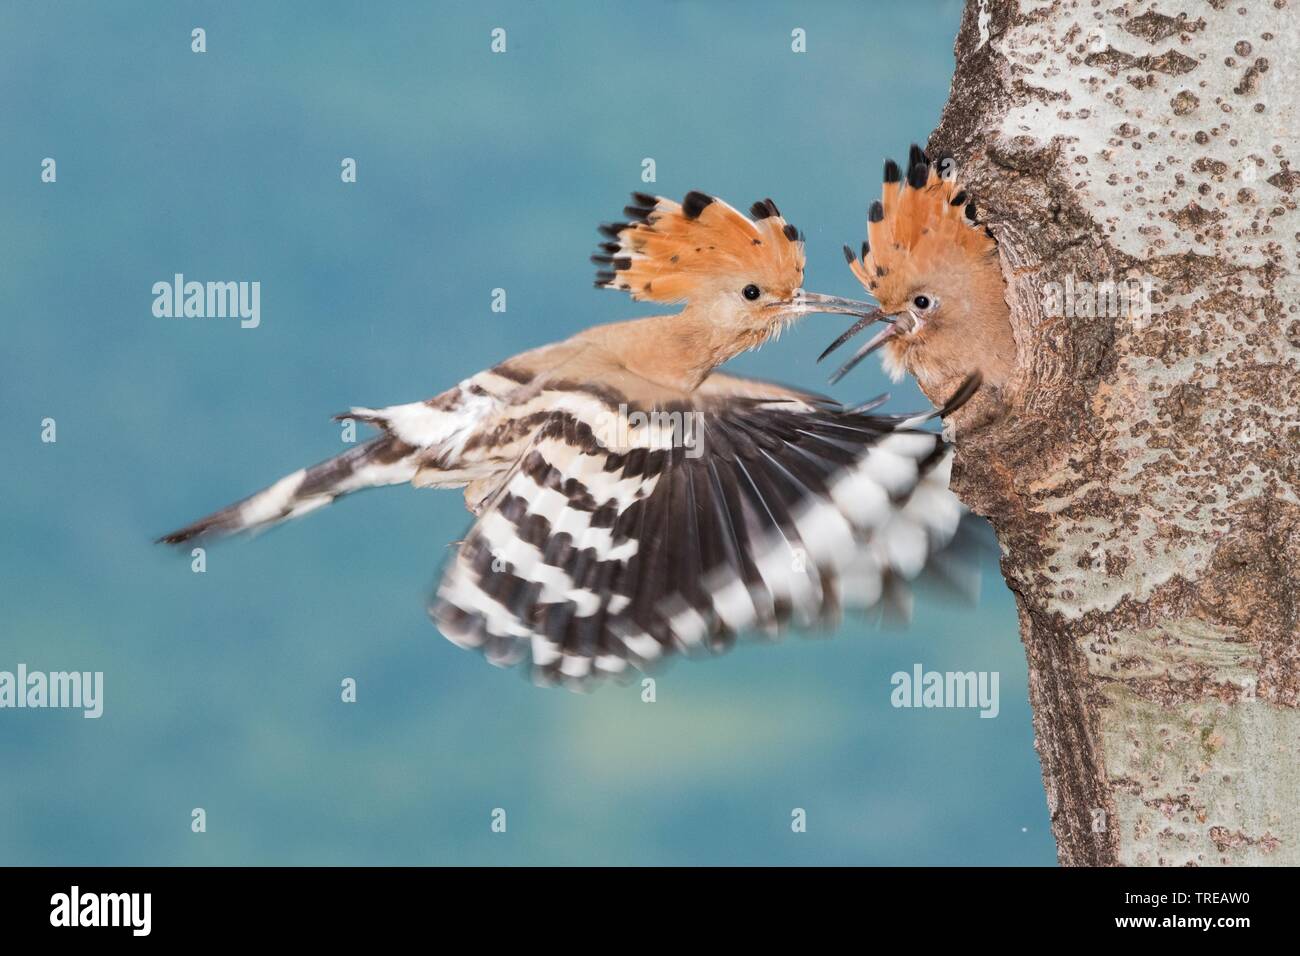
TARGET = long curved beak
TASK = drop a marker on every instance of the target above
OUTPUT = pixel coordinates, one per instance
(804, 302)
(876, 341)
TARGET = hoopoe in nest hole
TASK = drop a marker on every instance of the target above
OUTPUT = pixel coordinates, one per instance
(934, 270)
(630, 501)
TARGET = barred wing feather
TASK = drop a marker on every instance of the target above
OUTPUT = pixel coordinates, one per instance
(603, 550)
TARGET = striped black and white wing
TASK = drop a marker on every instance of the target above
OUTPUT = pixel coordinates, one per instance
(611, 545)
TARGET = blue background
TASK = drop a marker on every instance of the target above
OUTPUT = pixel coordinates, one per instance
(475, 171)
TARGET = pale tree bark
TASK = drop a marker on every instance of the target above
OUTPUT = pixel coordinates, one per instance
(1141, 470)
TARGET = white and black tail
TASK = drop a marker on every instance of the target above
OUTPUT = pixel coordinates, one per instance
(386, 460)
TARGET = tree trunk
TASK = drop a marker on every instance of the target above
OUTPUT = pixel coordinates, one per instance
(1141, 470)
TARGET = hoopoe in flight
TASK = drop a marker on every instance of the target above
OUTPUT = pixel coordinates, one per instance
(935, 273)
(630, 500)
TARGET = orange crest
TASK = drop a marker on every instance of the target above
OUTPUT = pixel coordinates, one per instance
(669, 252)
(921, 220)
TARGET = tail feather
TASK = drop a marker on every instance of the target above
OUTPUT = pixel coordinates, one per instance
(385, 460)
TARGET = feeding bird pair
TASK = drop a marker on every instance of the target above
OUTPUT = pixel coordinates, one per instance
(600, 546)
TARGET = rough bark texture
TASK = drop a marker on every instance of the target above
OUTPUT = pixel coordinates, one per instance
(1142, 474)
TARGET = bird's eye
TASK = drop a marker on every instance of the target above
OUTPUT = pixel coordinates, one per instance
(921, 302)
(751, 292)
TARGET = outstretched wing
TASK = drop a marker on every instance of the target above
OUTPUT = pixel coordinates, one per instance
(616, 541)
